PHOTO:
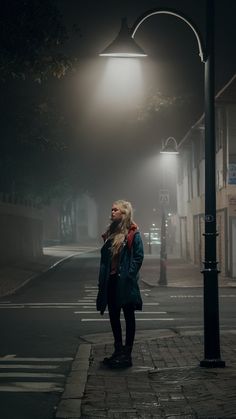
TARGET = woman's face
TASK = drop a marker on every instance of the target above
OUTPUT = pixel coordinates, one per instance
(116, 213)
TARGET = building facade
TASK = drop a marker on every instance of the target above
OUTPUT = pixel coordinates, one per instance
(71, 220)
(191, 185)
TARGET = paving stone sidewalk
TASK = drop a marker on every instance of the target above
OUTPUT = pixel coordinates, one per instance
(164, 382)
(179, 273)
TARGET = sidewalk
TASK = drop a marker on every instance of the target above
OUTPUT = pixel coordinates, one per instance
(164, 382)
(178, 273)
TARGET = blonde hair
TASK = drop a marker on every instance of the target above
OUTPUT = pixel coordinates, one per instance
(118, 236)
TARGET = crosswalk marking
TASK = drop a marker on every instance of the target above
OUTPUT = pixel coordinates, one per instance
(25, 367)
(186, 296)
(13, 358)
(30, 375)
(141, 312)
(90, 293)
(85, 303)
(86, 300)
(21, 374)
(201, 296)
(39, 304)
(85, 312)
(45, 305)
(137, 319)
(31, 387)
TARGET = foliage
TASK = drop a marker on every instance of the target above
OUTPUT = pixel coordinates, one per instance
(31, 37)
(34, 149)
(157, 102)
(35, 145)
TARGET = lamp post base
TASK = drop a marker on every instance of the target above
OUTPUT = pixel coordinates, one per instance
(162, 283)
(212, 363)
(162, 279)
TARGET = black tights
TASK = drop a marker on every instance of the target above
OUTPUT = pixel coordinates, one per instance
(114, 314)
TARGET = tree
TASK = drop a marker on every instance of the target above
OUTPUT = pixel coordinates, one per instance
(34, 148)
(32, 36)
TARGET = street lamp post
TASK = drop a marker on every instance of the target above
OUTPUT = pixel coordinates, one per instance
(163, 252)
(169, 148)
(117, 48)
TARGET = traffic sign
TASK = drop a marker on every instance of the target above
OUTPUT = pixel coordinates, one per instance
(164, 197)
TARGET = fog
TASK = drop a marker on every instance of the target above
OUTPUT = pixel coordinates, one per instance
(122, 113)
(118, 112)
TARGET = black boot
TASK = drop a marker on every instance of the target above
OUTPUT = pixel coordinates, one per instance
(124, 360)
(117, 353)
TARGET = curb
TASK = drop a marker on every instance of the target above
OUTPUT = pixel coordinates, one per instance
(69, 406)
(178, 285)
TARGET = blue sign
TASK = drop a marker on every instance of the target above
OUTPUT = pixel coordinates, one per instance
(232, 174)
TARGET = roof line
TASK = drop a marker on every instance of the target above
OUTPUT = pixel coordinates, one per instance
(186, 135)
(225, 86)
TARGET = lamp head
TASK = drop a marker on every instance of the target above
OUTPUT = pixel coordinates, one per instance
(170, 147)
(123, 46)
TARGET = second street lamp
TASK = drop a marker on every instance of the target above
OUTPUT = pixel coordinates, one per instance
(212, 356)
(169, 148)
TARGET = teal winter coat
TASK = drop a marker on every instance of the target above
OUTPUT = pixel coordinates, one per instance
(129, 264)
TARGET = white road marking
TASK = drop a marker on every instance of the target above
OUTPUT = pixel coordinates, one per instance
(186, 296)
(85, 312)
(86, 300)
(142, 312)
(201, 296)
(26, 380)
(30, 366)
(30, 375)
(40, 304)
(106, 319)
(31, 387)
(45, 305)
(92, 288)
(13, 358)
(86, 303)
(89, 306)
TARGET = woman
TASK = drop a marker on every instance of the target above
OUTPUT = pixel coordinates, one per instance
(121, 260)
